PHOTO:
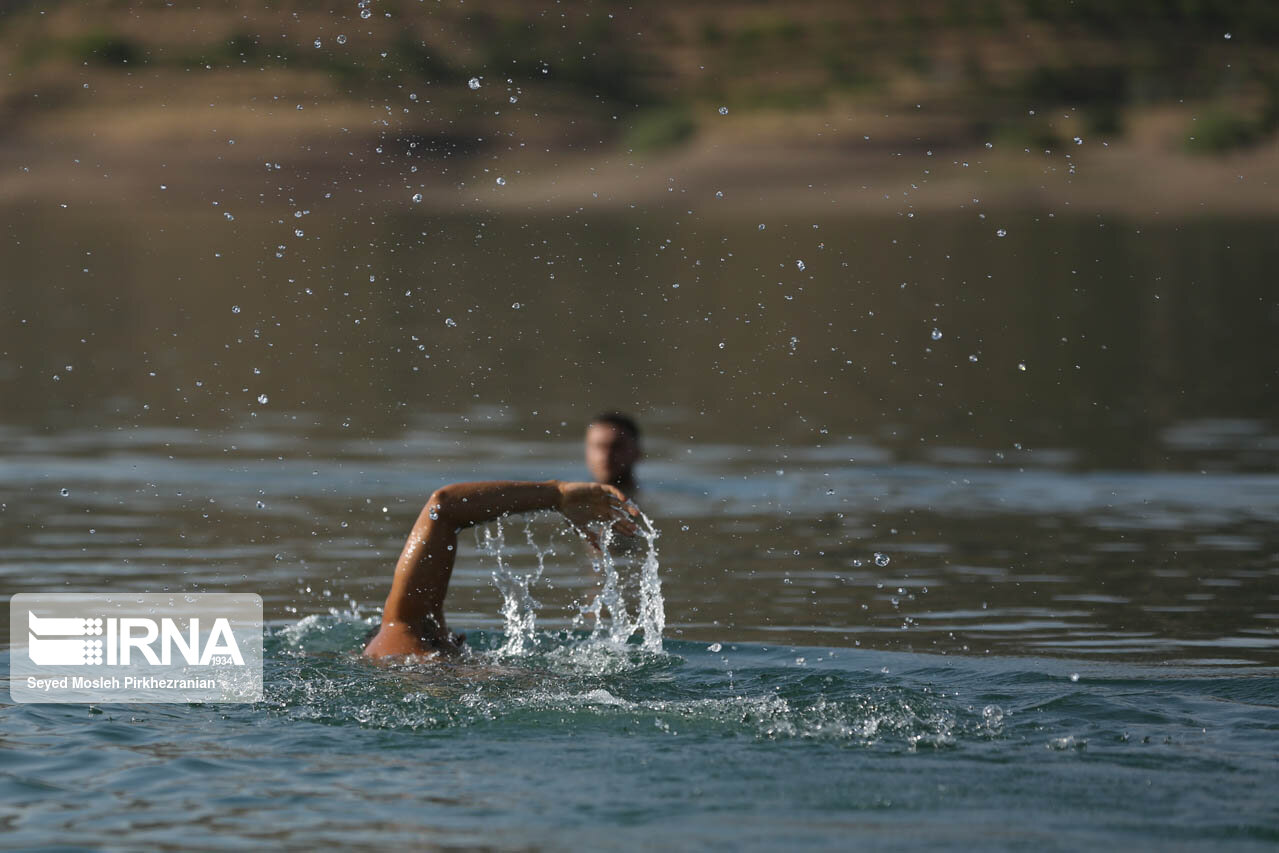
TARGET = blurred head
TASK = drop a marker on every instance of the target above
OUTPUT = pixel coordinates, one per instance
(612, 448)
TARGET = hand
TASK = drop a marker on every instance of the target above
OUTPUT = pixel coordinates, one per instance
(582, 503)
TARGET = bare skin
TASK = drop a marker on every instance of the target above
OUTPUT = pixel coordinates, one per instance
(611, 454)
(413, 621)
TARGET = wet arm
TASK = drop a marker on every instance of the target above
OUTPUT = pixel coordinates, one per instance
(413, 618)
(426, 564)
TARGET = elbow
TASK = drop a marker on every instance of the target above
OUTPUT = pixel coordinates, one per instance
(440, 504)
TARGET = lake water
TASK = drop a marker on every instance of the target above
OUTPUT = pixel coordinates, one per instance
(964, 539)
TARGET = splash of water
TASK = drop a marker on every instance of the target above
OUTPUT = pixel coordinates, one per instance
(519, 607)
(619, 625)
(613, 621)
(312, 676)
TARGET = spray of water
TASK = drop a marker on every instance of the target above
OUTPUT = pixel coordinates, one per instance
(519, 607)
(612, 621)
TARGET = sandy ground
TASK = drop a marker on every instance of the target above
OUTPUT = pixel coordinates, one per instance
(757, 166)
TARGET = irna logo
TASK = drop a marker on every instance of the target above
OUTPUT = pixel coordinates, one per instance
(126, 641)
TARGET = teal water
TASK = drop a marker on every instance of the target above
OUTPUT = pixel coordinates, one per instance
(1012, 657)
(884, 555)
(586, 744)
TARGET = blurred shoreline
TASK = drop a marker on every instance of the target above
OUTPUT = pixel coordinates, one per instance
(719, 175)
(1152, 110)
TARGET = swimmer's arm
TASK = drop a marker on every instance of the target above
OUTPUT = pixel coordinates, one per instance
(425, 566)
(415, 606)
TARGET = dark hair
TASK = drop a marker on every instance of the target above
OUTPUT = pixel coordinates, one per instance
(623, 422)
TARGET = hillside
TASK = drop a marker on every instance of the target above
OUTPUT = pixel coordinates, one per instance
(1159, 107)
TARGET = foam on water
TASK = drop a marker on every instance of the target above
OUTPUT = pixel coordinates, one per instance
(578, 736)
(598, 683)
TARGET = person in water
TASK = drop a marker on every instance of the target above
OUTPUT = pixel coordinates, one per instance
(613, 449)
(413, 621)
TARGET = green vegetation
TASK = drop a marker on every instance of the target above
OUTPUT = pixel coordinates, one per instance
(1257, 20)
(981, 66)
(1100, 91)
(655, 129)
(102, 48)
(1221, 130)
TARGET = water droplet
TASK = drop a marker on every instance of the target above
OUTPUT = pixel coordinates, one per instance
(501, 182)
(761, 226)
(721, 344)
(881, 559)
(341, 39)
(1228, 36)
(714, 648)
(417, 198)
(1002, 232)
(1079, 140)
(723, 111)
(318, 43)
(1021, 365)
(990, 145)
(514, 100)
(936, 334)
(516, 305)
(719, 193)
(235, 309)
(434, 513)
(973, 359)
(1074, 676)
(474, 82)
(262, 398)
(261, 505)
(64, 492)
(229, 217)
(450, 322)
(799, 265)
(365, 14)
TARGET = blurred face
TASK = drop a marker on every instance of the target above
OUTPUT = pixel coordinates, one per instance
(610, 453)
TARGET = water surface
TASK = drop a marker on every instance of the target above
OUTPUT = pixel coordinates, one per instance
(964, 539)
